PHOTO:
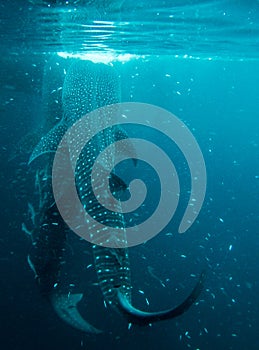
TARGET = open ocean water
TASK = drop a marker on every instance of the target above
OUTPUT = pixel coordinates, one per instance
(197, 59)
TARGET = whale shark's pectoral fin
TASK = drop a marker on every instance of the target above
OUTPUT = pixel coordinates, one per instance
(49, 143)
(65, 306)
(117, 183)
(143, 318)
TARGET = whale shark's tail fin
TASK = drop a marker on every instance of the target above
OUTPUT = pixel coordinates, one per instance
(65, 306)
(143, 318)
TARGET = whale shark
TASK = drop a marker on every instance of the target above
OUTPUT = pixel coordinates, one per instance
(87, 86)
(48, 234)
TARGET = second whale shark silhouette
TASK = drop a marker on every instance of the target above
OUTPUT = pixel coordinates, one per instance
(87, 86)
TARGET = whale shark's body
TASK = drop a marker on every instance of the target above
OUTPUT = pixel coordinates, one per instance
(87, 86)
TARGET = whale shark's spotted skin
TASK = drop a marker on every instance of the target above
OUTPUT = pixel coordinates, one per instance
(97, 85)
(88, 86)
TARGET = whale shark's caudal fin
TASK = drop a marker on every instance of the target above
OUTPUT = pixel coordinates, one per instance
(65, 306)
(143, 318)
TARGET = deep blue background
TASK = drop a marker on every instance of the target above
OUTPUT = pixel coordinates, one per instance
(221, 108)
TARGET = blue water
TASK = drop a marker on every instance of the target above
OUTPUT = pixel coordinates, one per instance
(212, 87)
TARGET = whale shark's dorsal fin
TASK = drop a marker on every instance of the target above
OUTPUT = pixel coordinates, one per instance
(65, 306)
(49, 143)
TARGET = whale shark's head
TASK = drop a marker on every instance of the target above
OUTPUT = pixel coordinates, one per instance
(88, 86)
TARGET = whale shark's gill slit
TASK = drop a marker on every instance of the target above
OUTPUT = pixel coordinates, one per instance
(143, 318)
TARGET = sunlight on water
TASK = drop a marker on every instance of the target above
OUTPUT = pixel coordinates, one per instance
(196, 28)
(99, 57)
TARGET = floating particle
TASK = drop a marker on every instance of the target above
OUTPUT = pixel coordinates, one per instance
(169, 234)
(230, 247)
(141, 291)
(221, 220)
(249, 285)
